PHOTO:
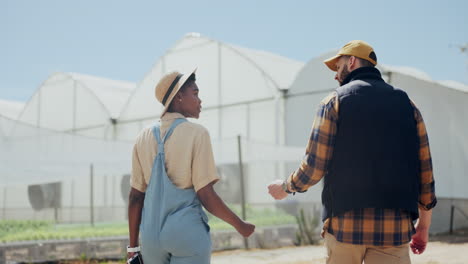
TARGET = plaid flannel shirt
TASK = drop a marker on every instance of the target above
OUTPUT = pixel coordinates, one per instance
(366, 226)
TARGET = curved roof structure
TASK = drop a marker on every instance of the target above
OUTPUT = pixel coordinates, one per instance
(74, 102)
(226, 75)
(11, 109)
(316, 77)
(455, 85)
(420, 75)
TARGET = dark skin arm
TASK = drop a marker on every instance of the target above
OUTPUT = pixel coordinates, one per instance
(135, 206)
(216, 206)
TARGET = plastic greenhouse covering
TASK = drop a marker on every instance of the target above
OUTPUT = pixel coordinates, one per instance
(75, 120)
(237, 85)
(77, 103)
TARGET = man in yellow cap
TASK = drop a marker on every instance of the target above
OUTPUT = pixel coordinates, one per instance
(369, 143)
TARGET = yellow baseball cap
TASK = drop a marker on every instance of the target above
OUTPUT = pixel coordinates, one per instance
(356, 48)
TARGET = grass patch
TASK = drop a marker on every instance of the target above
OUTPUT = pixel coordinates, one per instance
(16, 230)
(258, 217)
(48, 231)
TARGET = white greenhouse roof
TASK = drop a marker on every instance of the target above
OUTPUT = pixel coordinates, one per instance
(72, 101)
(315, 76)
(112, 93)
(226, 75)
(11, 109)
(455, 85)
(416, 73)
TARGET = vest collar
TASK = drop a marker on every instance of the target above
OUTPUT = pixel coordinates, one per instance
(363, 73)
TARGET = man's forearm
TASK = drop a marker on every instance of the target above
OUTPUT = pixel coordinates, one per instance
(135, 207)
(424, 220)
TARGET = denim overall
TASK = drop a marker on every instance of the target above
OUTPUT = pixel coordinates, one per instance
(174, 228)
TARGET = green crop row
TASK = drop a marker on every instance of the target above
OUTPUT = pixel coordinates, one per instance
(13, 230)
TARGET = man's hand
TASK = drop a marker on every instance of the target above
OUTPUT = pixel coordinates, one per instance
(275, 189)
(419, 240)
(421, 237)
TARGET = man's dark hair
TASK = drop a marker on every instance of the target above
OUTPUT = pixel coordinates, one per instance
(191, 79)
(365, 63)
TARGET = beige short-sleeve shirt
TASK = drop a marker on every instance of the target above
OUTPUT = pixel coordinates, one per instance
(189, 155)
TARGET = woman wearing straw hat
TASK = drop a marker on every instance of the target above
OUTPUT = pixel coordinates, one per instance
(173, 173)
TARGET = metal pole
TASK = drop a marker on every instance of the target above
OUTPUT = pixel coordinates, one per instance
(56, 214)
(91, 194)
(72, 200)
(451, 219)
(105, 191)
(4, 202)
(113, 197)
(242, 186)
(74, 105)
(220, 94)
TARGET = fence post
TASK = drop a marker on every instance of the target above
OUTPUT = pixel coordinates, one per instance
(242, 185)
(91, 194)
(2, 255)
(451, 219)
(4, 203)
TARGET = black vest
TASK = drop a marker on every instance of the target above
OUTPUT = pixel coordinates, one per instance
(375, 158)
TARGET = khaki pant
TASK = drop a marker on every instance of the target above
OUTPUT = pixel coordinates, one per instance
(344, 253)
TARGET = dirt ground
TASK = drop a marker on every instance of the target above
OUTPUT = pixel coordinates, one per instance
(436, 253)
(442, 250)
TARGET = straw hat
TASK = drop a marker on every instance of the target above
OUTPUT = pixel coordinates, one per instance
(168, 86)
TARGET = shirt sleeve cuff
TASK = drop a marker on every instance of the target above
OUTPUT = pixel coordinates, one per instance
(204, 183)
(285, 186)
(139, 187)
(427, 207)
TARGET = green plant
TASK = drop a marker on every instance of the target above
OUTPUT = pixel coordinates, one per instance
(307, 225)
(13, 230)
(9, 226)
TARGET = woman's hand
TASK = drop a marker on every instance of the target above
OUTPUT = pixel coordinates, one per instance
(246, 229)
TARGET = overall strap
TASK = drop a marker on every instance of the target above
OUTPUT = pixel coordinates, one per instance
(157, 131)
(174, 124)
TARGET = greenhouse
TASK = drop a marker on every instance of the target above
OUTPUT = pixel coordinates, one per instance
(241, 91)
(77, 103)
(68, 149)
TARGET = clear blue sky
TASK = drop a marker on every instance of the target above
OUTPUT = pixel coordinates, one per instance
(123, 39)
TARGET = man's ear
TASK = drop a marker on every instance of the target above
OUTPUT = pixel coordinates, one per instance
(352, 63)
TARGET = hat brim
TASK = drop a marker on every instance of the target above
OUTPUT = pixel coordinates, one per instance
(331, 62)
(180, 83)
